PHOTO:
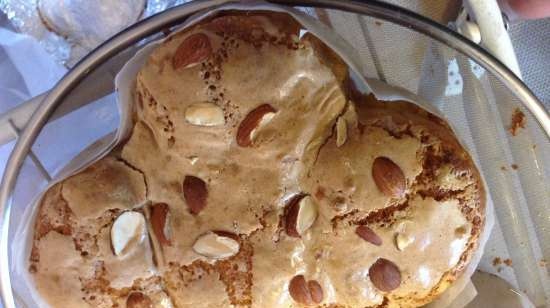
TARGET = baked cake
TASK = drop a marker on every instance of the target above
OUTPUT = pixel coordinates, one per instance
(256, 176)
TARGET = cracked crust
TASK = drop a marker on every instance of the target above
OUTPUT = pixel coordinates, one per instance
(248, 188)
(444, 176)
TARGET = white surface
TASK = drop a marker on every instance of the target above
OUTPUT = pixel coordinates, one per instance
(38, 75)
(21, 79)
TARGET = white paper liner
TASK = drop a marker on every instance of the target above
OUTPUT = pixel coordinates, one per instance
(457, 296)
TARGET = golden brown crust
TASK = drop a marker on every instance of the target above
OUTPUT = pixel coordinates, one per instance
(443, 198)
(443, 148)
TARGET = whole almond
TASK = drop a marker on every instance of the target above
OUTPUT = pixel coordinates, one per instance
(368, 235)
(249, 125)
(160, 222)
(194, 193)
(316, 291)
(306, 293)
(300, 214)
(299, 290)
(138, 300)
(385, 275)
(128, 230)
(193, 50)
(388, 177)
(204, 114)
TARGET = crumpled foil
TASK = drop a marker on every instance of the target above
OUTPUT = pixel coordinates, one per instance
(67, 50)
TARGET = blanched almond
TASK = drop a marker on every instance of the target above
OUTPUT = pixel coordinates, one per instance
(162, 300)
(138, 300)
(265, 119)
(305, 293)
(193, 159)
(385, 275)
(402, 240)
(300, 215)
(341, 131)
(193, 50)
(253, 121)
(204, 114)
(194, 193)
(127, 231)
(368, 235)
(216, 245)
(160, 222)
(388, 177)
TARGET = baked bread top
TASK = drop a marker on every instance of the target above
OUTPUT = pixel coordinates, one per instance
(255, 176)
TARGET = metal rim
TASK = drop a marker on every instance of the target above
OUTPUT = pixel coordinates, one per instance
(178, 14)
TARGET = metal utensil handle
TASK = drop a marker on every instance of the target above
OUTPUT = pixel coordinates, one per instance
(494, 36)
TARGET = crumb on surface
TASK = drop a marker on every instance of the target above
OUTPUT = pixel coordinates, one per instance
(497, 261)
(503, 168)
(518, 121)
(508, 262)
(514, 166)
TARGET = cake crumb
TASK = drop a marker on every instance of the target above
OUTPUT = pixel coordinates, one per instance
(508, 262)
(514, 166)
(497, 261)
(518, 121)
(503, 168)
